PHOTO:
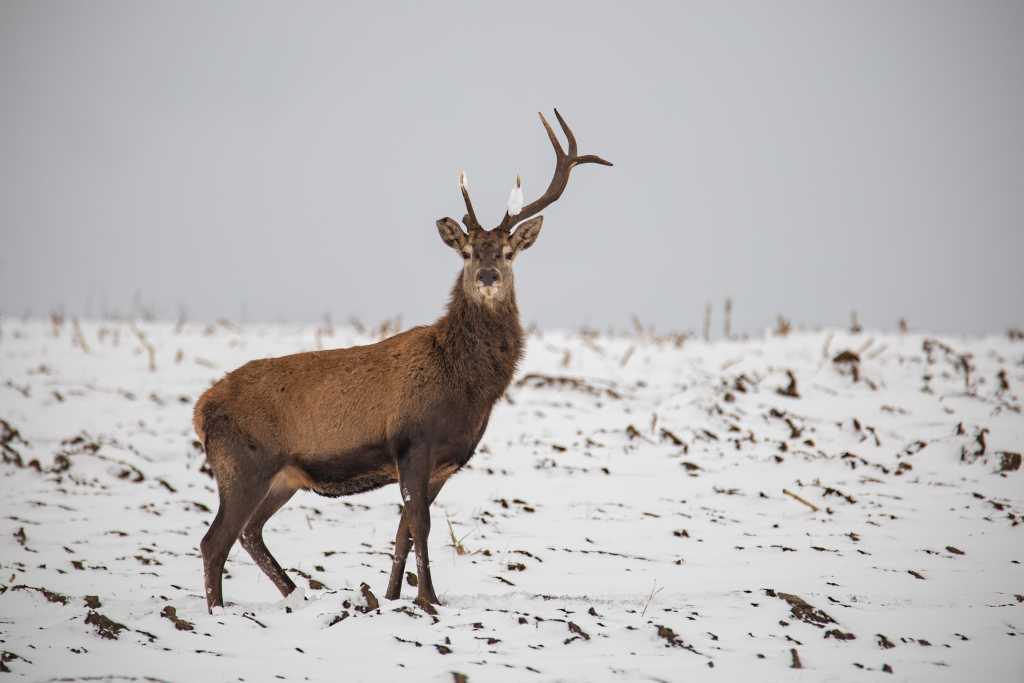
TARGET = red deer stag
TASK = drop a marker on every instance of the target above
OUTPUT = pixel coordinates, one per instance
(409, 409)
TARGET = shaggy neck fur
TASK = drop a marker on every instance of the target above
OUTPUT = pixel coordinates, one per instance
(480, 345)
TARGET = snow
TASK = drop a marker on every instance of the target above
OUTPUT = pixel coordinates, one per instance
(623, 519)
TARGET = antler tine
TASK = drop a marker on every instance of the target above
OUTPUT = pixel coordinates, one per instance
(470, 218)
(592, 159)
(568, 133)
(564, 163)
(559, 153)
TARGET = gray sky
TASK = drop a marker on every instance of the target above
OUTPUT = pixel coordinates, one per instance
(290, 159)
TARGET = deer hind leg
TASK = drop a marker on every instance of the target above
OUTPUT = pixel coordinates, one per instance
(413, 479)
(242, 484)
(252, 537)
(403, 543)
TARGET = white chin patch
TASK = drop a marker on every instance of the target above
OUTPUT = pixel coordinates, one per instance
(488, 292)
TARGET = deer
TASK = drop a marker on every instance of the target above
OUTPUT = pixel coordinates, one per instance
(410, 409)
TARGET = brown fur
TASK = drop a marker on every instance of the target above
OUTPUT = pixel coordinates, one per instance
(309, 411)
(346, 421)
(409, 409)
(291, 478)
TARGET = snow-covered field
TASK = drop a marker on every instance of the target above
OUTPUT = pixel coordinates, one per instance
(639, 509)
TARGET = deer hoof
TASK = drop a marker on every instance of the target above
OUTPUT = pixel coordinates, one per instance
(426, 605)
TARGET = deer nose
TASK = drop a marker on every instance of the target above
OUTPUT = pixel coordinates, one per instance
(487, 276)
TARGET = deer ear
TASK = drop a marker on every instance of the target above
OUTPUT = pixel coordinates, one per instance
(451, 233)
(526, 234)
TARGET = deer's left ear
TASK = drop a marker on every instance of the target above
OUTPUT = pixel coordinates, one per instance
(526, 234)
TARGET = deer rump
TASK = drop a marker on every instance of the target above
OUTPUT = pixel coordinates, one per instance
(287, 417)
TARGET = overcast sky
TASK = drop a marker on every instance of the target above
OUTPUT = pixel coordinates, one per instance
(280, 161)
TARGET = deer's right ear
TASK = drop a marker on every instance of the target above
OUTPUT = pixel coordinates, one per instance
(451, 233)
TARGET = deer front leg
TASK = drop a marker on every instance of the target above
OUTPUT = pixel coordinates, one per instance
(403, 542)
(413, 480)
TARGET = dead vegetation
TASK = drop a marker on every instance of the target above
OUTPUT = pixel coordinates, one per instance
(146, 345)
(542, 381)
(171, 614)
(105, 627)
(802, 610)
(622, 464)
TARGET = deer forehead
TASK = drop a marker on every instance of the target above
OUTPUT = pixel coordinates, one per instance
(488, 244)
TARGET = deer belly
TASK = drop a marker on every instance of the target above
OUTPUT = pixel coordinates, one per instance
(357, 471)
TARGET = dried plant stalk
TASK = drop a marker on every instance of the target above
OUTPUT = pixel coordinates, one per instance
(150, 349)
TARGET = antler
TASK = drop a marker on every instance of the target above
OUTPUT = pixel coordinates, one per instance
(564, 163)
(469, 219)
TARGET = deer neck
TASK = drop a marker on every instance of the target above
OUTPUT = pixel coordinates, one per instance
(481, 345)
